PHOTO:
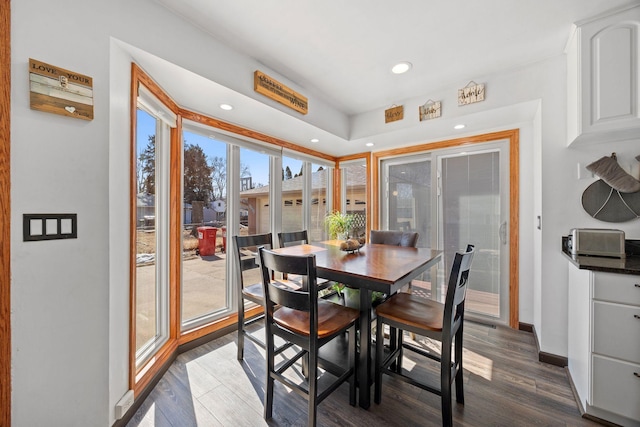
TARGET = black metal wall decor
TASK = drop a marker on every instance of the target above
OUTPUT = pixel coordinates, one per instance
(615, 197)
(607, 204)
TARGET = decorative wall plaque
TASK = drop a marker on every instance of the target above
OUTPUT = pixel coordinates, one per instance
(59, 91)
(393, 114)
(471, 93)
(430, 110)
(271, 88)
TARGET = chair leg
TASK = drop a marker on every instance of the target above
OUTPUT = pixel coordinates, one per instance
(393, 344)
(353, 344)
(400, 350)
(268, 392)
(458, 362)
(377, 397)
(305, 366)
(445, 384)
(240, 331)
(313, 387)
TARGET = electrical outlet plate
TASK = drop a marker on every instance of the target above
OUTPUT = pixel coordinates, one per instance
(124, 404)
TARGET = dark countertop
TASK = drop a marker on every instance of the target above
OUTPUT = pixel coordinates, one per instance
(628, 265)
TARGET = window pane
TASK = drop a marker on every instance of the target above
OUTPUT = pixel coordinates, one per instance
(204, 289)
(356, 195)
(409, 209)
(146, 243)
(409, 199)
(292, 189)
(254, 192)
(317, 230)
(471, 203)
(254, 202)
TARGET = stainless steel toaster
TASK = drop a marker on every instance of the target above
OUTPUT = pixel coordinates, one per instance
(596, 241)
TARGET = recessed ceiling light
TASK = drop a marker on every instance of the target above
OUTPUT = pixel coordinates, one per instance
(460, 126)
(314, 140)
(401, 67)
(226, 107)
(369, 144)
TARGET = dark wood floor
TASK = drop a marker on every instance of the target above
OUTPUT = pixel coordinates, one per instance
(505, 385)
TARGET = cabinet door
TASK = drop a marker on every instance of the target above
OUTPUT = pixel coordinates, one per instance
(616, 331)
(607, 73)
(616, 387)
(621, 288)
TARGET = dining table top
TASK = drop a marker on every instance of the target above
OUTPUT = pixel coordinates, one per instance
(382, 268)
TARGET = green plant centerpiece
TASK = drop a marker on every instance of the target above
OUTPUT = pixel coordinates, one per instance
(339, 224)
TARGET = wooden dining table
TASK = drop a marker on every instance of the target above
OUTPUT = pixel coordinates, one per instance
(374, 267)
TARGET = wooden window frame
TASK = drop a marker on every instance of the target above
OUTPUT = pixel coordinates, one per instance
(5, 214)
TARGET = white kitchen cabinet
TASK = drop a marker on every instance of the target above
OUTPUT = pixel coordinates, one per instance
(604, 343)
(603, 67)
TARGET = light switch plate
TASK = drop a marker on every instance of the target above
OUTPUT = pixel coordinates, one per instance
(49, 227)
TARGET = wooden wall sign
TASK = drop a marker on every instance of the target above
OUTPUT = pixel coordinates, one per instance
(430, 110)
(471, 93)
(393, 114)
(59, 91)
(275, 90)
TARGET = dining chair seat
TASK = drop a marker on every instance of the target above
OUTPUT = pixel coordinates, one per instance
(414, 311)
(331, 319)
(254, 293)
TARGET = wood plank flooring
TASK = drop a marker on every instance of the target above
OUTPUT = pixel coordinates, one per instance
(505, 385)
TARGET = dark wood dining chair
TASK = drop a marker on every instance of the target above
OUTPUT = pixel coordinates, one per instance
(309, 323)
(394, 237)
(246, 248)
(429, 318)
(290, 238)
(301, 237)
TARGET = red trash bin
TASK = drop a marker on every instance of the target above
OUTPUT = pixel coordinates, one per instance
(207, 240)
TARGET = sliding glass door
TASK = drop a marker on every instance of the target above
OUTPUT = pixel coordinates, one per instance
(473, 207)
(454, 197)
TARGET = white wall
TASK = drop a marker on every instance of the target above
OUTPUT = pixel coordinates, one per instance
(70, 298)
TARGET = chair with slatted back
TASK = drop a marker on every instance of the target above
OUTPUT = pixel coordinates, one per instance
(246, 252)
(290, 238)
(308, 322)
(432, 319)
(395, 238)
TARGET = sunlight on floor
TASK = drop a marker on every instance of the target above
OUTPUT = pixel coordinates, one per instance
(475, 363)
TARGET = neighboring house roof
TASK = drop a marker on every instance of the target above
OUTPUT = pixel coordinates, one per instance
(357, 178)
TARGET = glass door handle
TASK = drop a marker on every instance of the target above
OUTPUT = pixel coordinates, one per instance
(503, 232)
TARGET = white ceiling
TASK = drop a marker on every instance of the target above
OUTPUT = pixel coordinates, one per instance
(342, 51)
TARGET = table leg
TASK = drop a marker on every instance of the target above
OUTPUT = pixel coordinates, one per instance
(364, 360)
